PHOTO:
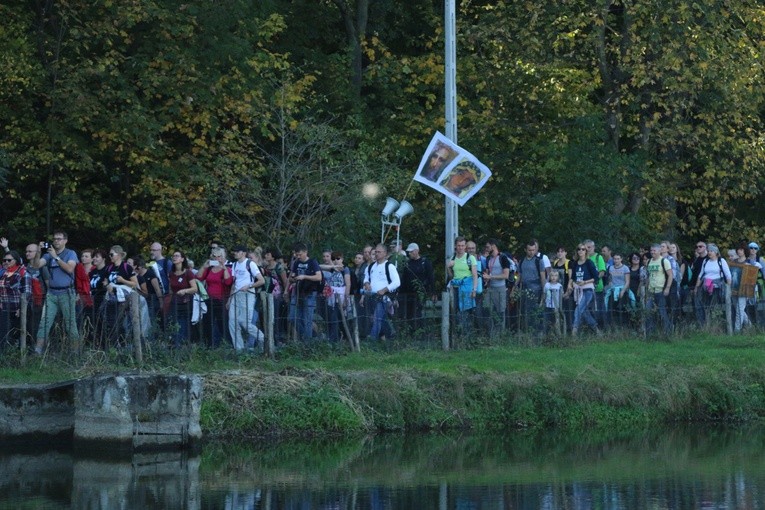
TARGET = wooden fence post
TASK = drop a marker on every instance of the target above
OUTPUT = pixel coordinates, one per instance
(445, 319)
(135, 316)
(23, 309)
(268, 323)
(728, 314)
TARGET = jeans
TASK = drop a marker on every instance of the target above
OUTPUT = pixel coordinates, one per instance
(182, 315)
(240, 316)
(582, 311)
(301, 314)
(215, 323)
(380, 325)
(659, 300)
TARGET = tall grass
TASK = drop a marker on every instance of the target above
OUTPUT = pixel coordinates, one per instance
(324, 389)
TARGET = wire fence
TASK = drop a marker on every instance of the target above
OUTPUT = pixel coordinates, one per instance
(265, 323)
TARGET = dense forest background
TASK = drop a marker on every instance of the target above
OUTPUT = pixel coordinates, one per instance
(126, 121)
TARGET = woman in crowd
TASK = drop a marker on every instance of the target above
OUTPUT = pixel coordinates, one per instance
(340, 281)
(714, 278)
(122, 280)
(14, 283)
(635, 274)
(745, 303)
(98, 282)
(618, 297)
(183, 286)
(86, 257)
(582, 277)
(274, 268)
(218, 278)
(751, 258)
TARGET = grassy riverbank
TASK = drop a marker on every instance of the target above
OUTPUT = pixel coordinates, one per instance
(622, 382)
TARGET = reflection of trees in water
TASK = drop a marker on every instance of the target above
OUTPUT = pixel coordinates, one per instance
(679, 468)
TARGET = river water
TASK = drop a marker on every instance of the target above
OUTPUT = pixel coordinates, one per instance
(675, 468)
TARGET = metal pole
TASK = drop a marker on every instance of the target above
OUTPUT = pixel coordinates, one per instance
(450, 59)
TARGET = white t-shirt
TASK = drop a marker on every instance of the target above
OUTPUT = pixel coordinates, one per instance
(377, 278)
(242, 277)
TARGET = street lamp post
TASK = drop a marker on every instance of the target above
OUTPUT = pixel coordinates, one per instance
(450, 59)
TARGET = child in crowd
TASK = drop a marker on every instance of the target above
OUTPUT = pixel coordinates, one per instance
(553, 295)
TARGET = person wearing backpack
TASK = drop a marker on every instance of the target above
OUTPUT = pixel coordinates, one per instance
(275, 269)
(417, 285)
(496, 275)
(463, 268)
(599, 303)
(241, 302)
(713, 279)
(120, 276)
(533, 277)
(561, 265)
(660, 278)
(339, 279)
(61, 296)
(306, 281)
(581, 285)
(39, 281)
(380, 281)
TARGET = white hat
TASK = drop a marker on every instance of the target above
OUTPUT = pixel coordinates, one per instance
(412, 247)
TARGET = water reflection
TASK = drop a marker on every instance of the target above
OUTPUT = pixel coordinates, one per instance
(679, 468)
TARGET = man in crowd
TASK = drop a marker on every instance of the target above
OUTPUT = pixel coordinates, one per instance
(417, 285)
(305, 273)
(61, 296)
(241, 303)
(532, 279)
(40, 278)
(659, 284)
(495, 275)
(480, 315)
(700, 256)
(673, 300)
(161, 292)
(380, 280)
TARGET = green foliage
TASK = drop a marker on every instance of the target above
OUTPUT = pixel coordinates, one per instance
(140, 120)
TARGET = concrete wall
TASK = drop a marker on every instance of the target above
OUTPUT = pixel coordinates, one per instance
(132, 412)
(141, 411)
(46, 410)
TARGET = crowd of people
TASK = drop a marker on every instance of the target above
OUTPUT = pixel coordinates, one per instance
(605, 289)
(217, 304)
(382, 291)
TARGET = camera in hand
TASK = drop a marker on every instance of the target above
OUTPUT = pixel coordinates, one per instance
(45, 245)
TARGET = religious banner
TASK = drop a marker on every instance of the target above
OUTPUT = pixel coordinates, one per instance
(743, 278)
(451, 170)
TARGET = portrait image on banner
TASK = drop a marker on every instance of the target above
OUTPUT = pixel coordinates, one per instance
(464, 179)
(440, 154)
(449, 169)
